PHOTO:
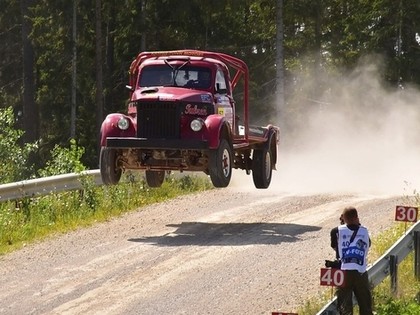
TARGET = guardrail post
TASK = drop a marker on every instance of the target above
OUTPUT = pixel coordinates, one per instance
(393, 271)
(417, 254)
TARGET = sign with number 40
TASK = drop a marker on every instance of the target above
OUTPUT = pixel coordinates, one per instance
(333, 277)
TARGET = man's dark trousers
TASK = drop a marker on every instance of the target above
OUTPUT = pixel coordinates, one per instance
(359, 284)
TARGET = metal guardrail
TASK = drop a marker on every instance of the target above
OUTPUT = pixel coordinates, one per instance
(46, 185)
(58, 183)
(382, 267)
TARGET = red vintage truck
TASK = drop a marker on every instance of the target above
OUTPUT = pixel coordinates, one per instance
(182, 116)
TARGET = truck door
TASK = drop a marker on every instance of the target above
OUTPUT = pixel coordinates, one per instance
(224, 103)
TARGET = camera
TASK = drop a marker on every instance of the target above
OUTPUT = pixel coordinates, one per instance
(336, 264)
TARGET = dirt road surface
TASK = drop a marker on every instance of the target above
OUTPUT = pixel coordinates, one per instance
(225, 251)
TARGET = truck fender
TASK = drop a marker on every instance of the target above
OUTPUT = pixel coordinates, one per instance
(217, 127)
(110, 128)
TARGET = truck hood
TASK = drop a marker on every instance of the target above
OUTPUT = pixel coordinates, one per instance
(172, 94)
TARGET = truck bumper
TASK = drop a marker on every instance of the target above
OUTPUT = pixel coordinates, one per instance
(168, 144)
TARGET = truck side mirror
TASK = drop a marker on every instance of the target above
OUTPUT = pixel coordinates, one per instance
(219, 90)
(129, 87)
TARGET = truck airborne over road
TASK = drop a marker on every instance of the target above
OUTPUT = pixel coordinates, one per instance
(182, 116)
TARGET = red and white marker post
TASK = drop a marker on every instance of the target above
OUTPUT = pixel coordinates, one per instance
(332, 277)
(406, 214)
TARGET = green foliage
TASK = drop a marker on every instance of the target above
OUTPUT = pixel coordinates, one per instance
(314, 304)
(64, 160)
(51, 37)
(10, 58)
(319, 37)
(400, 307)
(385, 302)
(13, 156)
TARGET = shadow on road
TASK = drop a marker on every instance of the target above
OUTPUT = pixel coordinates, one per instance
(228, 234)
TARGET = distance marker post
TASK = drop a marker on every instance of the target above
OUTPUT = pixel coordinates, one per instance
(406, 214)
(332, 277)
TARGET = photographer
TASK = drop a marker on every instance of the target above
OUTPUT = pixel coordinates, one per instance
(351, 243)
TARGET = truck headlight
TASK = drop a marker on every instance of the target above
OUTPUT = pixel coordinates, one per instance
(197, 124)
(123, 123)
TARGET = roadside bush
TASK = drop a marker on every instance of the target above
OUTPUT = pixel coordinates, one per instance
(13, 156)
(400, 307)
(64, 160)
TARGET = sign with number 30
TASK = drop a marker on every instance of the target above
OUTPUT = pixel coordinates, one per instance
(333, 277)
(407, 214)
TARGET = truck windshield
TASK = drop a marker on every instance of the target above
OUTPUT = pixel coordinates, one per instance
(187, 76)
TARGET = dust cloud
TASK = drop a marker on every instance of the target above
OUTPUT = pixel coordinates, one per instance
(358, 137)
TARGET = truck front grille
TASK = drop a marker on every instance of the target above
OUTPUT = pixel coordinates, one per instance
(158, 120)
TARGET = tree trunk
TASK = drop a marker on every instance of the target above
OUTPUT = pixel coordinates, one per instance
(30, 110)
(143, 17)
(318, 83)
(99, 74)
(111, 92)
(74, 74)
(279, 63)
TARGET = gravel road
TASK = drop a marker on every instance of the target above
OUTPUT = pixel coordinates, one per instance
(224, 251)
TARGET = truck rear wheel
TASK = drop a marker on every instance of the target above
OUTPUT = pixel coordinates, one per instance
(155, 178)
(262, 167)
(220, 164)
(110, 172)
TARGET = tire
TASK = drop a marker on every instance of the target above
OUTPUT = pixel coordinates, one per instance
(262, 167)
(220, 164)
(155, 178)
(110, 172)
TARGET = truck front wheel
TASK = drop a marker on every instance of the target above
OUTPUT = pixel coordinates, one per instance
(220, 164)
(110, 172)
(262, 167)
(155, 178)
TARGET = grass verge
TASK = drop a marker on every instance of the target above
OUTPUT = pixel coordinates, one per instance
(32, 219)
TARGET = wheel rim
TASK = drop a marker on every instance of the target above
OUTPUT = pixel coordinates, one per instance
(226, 163)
